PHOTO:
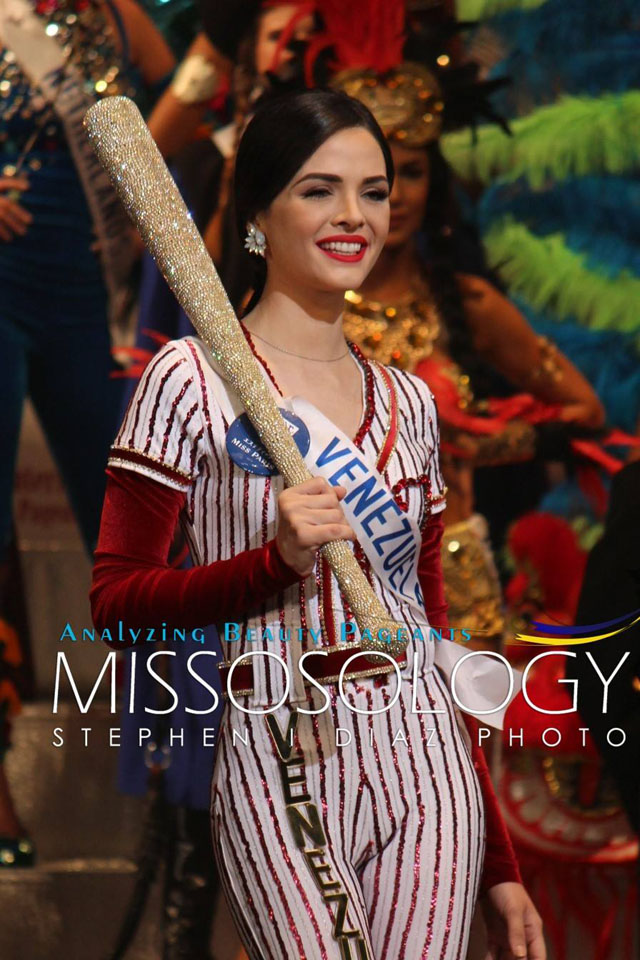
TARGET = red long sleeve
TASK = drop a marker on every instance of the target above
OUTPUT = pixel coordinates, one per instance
(500, 864)
(430, 573)
(132, 581)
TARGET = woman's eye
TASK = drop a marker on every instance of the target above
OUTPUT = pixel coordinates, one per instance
(412, 173)
(377, 195)
(317, 192)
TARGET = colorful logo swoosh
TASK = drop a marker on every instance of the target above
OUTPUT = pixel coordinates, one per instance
(559, 635)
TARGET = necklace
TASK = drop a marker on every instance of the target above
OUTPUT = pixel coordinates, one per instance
(399, 334)
(300, 356)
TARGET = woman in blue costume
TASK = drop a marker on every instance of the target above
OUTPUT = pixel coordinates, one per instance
(54, 333)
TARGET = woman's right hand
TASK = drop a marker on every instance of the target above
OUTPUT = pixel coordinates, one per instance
(14, 219)
(310, 515)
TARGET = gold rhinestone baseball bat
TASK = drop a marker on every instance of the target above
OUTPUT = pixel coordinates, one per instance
(125, 148)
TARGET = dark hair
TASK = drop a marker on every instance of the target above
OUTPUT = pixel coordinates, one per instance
(451, 246)
(284, 132)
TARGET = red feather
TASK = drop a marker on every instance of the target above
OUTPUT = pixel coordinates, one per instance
(368, 34)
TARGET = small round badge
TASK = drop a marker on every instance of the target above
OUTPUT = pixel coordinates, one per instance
(247, 451)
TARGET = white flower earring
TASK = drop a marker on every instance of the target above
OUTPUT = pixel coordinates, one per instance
(255, 240)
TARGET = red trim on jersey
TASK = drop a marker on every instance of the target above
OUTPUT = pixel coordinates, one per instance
(260, 359)
(392, 430)
(141, 459)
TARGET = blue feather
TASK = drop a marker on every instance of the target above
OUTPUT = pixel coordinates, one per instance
(599, 216)
(541, 75)
(560, 27)
(598, 204)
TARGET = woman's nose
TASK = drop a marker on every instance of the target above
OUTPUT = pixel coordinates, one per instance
(350, 214)
(395, 197)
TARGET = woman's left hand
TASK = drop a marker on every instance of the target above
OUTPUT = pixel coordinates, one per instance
(514, 926)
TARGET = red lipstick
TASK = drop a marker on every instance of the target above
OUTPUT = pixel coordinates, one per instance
(344, 238)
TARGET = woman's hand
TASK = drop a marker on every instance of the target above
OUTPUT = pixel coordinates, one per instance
(514, 925)
(310, 515)
(14, 219)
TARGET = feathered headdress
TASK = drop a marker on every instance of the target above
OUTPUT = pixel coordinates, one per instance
(400, 63)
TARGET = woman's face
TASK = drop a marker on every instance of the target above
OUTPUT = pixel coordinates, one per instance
(409, 195)
(271, 25)
(326, 229)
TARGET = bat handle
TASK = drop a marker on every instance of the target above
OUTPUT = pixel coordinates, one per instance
(379, 633)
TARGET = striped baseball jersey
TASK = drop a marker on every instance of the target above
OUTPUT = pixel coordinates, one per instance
(175, 431)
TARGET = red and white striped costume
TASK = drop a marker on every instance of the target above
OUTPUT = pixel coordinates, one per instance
(398, 871)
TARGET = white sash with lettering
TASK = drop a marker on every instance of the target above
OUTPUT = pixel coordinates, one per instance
(391, 541)
(61, 84)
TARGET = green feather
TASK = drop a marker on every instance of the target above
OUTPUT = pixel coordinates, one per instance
(550, 276)
(482, 9)
(573, 137)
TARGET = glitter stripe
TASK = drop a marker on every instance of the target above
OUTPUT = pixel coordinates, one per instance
(465, 766)
(194, 452)
(172, 413)
(156, 404)
(393, 824)
(246, 880)
(204, 393)
(269, 792)
(392, 918)
(328, 816)
(333, 696)
(418, 870)
(183, 437)
(148, 380)
(254, 874)
(364, 779)
(424, 954)
(392, 427)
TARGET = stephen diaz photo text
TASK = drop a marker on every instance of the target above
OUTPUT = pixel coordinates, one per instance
(203, 661)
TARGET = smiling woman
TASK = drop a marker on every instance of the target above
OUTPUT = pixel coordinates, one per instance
(376, 853)
(320, 197)
(308, 186)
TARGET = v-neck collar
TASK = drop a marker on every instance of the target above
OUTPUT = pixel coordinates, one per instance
(366, 374)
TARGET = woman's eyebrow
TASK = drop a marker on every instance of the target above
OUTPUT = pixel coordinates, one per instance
(334, 178)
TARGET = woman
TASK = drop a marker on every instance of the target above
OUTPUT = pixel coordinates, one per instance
(427, 306)
(367, 850)
(421, 310)
(59, 280)
(245, 41)
(54, 336)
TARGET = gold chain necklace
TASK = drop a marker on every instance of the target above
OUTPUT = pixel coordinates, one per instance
(399, 334)
(301, 356)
